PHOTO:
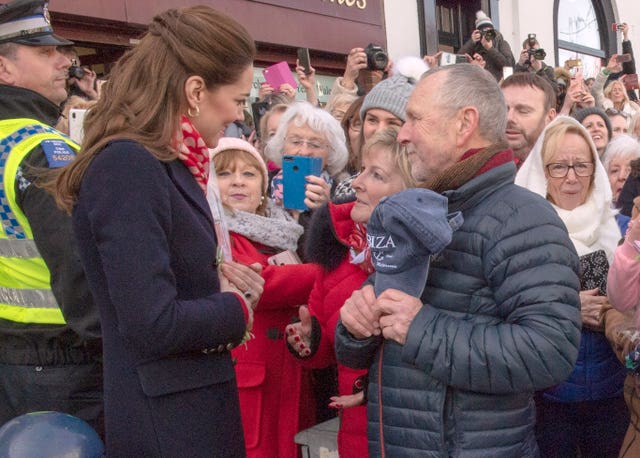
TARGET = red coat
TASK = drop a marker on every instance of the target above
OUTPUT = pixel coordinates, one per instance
(275, 394)
(328, 245)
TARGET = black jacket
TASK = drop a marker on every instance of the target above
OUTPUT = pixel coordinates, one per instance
(79, 340)
(498, 56)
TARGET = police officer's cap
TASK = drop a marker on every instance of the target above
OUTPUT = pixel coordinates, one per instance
(27, 22)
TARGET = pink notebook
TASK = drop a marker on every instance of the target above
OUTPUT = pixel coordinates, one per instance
(278, 74)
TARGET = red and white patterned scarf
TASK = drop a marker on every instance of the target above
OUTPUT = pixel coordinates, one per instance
(361, 254)
(193, 152)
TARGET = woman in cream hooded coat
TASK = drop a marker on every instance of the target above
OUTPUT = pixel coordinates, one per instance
(586, 411)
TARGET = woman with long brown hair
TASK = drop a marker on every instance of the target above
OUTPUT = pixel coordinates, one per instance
(170, 310)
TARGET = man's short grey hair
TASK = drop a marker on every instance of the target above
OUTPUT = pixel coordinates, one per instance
(321, 122)
(470, 85)
(621, 145)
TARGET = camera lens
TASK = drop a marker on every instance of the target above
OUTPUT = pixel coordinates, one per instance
(76, 72)
(377, 58)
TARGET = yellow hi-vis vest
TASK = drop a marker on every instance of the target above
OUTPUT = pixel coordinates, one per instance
(25, 288)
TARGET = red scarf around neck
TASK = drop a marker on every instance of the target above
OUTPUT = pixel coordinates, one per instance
(193, 152)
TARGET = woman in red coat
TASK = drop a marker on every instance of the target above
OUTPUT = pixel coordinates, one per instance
(338, 243)
(275, 393)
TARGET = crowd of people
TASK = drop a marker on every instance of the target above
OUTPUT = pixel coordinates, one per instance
(461, 277)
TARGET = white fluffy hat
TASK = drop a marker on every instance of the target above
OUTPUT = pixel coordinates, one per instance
(482, 19)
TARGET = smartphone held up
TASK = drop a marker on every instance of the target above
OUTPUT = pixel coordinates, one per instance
(295, 169)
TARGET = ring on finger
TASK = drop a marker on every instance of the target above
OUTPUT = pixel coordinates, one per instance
(248, 294)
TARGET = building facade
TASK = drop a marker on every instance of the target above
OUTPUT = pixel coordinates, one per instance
(566, 29)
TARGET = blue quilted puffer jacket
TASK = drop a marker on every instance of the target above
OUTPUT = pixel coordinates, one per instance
(501, 319)
(597, 375)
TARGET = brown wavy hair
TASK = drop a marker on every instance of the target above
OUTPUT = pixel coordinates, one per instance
(145, 97)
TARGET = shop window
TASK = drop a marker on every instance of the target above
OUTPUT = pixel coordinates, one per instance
(583, 32)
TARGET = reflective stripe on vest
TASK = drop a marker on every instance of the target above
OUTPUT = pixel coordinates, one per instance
(25, 289)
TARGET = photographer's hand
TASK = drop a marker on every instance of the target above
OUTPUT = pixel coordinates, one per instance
(524, 57)
(476, 36)
(356, 61)
(536, 64)
(486, 44)
(87, 83)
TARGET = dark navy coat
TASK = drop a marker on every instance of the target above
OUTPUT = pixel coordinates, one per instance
(147, 243)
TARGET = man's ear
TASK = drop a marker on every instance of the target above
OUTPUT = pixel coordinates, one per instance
(551, 114)
(467, 124)
(194, 88)
(7, 71)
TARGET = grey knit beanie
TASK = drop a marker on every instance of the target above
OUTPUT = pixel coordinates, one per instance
(584, 112)
(391, 94)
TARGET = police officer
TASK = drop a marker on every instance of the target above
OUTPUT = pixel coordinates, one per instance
(50, 347)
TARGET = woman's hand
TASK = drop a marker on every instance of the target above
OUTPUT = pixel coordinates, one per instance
(308, 82)
(592, 306)
(613, 66)
(346, 401)
(299, 334)
(316, 192)
(432, 61)
(288, 90)
(265, 90)
(633, 229)
(242, 279)
(477, 59)
(624, 27)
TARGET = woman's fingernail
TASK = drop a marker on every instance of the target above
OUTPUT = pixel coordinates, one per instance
(296, 338)
(307, 352)
(302, 346)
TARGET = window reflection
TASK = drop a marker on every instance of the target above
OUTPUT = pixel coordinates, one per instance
(578, 23)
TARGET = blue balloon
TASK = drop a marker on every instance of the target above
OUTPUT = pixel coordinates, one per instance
(51, 435)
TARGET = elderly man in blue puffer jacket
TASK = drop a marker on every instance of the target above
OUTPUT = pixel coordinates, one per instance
(453, 373)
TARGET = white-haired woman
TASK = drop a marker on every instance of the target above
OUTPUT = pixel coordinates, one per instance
(617, 162)
(305, 130)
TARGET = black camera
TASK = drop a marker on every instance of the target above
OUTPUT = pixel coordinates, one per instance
(488, 33)
(538, 54)
(377, 58)
(75, 71)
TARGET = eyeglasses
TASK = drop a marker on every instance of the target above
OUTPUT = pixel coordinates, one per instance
(312, 145)
(581, 169)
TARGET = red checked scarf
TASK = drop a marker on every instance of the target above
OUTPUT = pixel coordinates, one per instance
(193, 152)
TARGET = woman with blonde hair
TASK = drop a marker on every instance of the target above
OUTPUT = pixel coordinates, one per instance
(338, 243)
(615, 94)
(171, 311)
(586, 412)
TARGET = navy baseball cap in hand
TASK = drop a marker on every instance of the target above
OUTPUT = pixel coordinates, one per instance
(404, 230)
